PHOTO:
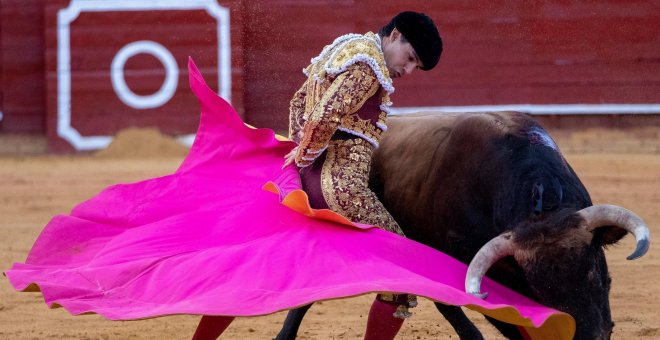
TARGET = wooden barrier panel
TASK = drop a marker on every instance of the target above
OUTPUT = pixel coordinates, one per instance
(497, 52)
(123, 63)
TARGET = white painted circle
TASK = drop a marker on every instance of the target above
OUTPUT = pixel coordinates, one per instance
(166, 91)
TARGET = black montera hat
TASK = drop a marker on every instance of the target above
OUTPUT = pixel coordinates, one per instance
(422, 34)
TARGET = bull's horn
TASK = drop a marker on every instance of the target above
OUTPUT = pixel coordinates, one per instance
(611, 215)
(492, 251)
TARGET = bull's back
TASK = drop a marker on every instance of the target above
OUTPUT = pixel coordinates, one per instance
(428, 156)
(404, 160)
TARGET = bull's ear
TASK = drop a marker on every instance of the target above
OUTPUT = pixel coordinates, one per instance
(607, 235)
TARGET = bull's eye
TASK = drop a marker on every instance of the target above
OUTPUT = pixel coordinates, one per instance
(537, 198)
(549, 206)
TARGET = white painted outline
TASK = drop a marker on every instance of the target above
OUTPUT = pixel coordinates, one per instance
(67, 15)
(541, 109)
(166, 91)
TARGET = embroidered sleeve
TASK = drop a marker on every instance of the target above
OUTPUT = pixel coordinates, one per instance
(296, 113)
(346, 95)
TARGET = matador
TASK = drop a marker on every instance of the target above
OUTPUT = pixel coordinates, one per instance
(338, 117)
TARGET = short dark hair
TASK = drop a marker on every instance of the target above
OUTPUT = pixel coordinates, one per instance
(421, 32)
(386, 30)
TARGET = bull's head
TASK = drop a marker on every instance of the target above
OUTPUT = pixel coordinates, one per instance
(564, 263)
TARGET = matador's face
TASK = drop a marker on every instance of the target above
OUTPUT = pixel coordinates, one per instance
(400, 56)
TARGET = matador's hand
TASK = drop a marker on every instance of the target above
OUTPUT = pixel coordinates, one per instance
(290, 158)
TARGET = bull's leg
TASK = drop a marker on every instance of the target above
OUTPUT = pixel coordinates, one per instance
(292, 323)
(508, 330)
(462, 325)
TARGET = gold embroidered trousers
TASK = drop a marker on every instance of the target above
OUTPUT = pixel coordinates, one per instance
(339, 179)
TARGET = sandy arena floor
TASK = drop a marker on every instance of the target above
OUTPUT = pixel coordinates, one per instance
(33, 189)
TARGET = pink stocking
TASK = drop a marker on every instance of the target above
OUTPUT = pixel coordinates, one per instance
(210, 327)
(382, 325)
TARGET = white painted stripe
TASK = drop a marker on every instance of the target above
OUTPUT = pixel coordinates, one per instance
(132, 5)
(541, 109)
(221, 15)
(186, 140)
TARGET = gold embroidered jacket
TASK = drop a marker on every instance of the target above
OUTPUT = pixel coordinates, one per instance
(339, 81)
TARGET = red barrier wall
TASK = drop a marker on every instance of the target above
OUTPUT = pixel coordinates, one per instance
(22, 87)
(505, 52)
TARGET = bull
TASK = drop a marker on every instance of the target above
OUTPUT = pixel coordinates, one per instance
(493, 190)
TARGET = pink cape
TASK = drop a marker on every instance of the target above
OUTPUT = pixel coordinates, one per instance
(209, 239)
